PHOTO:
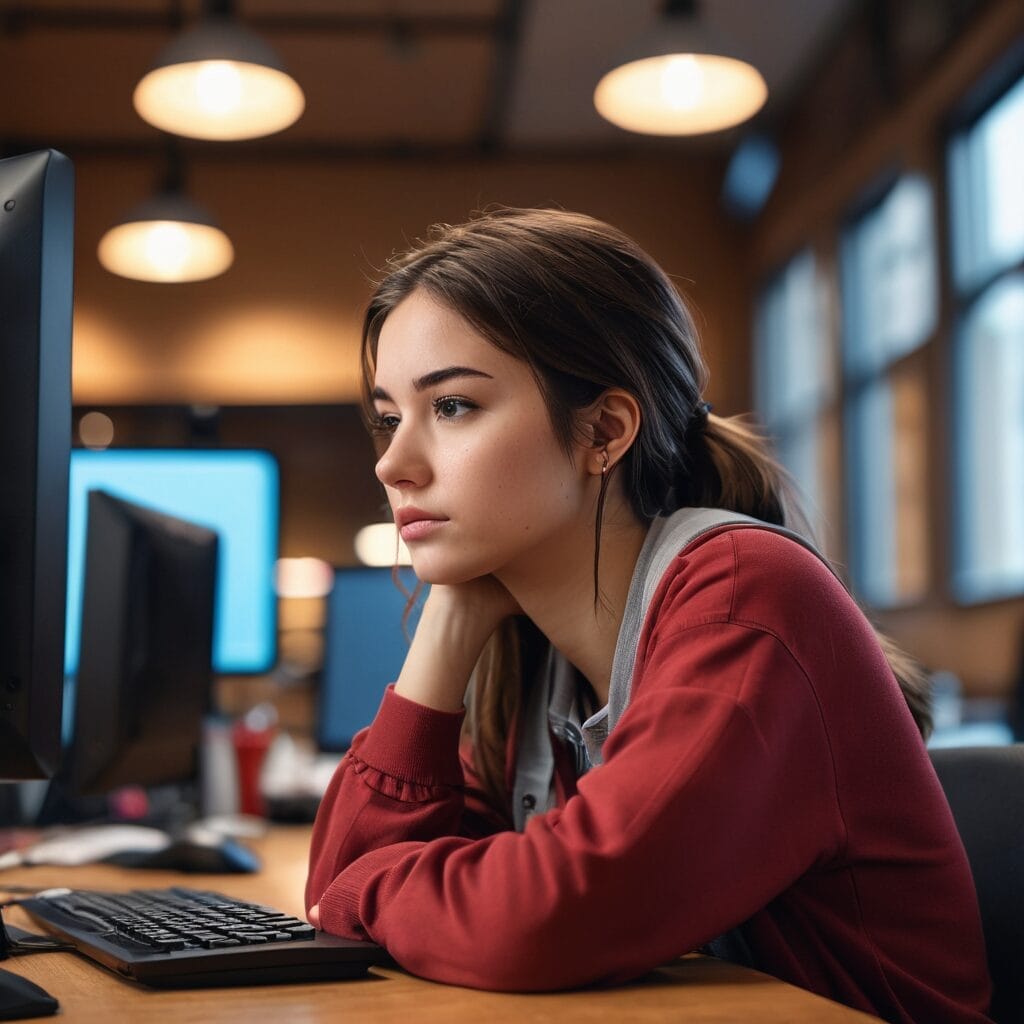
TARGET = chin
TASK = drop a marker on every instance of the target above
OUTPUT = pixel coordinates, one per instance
(445, 573)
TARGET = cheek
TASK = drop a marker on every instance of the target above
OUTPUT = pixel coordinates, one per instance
(534, 479)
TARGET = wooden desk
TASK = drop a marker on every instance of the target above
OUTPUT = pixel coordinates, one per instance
(697, 990)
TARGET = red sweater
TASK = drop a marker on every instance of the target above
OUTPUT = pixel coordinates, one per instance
(766, 773)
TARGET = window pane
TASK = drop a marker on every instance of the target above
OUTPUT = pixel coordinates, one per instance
(986, 167)
(872, 503)
(887, 434)
(801, 451)
(794, 374)
(890, 283)
(989, 422)
(793, 369)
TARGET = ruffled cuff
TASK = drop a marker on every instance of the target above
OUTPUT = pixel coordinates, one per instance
(413, 742)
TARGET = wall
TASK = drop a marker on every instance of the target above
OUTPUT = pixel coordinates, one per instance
(282, 325)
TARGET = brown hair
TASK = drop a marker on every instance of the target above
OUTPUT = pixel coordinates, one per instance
(587, 310)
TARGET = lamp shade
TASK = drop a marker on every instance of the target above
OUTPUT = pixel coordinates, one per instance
(680, 78)
(169, 239)
(218, 80)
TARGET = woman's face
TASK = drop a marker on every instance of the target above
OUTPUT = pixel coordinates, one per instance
(475, 476)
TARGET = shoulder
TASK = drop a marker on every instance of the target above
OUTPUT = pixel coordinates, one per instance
(744, 608)
(751, 576)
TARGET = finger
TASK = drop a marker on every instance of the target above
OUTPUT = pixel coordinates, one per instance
(314, 915)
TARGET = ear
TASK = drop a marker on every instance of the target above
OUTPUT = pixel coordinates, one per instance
(611, 425)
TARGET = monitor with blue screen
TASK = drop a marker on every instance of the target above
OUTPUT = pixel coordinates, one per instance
(365, 646)
(232, 492)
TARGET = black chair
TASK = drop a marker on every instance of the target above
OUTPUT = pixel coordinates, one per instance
(985, 790)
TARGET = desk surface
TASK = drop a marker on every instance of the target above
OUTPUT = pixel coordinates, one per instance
(697, 990)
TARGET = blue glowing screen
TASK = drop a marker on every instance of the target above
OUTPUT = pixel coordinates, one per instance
(365, 646)
(232, 492)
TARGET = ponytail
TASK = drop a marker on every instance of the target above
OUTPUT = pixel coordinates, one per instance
(731, 468)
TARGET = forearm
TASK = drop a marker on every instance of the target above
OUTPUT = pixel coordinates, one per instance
(580, 897)
(401, 780)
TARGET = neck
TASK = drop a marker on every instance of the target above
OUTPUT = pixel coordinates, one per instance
(557, 593)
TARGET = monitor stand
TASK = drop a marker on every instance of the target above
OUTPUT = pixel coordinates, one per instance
(20, 998)
(10, 805)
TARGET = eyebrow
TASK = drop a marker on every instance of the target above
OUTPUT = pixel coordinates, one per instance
(432, 379)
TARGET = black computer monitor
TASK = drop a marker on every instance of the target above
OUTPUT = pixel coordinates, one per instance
(365, 644)
(36, 243)
(144, 671)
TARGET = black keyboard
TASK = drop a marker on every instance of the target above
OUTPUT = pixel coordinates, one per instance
(185, 938)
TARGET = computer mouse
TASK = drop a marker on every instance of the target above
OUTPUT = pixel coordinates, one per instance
(222, 857)
(88, 844)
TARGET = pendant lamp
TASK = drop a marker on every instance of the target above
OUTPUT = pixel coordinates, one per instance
(218, 80)
(167, 238)
(680, 78)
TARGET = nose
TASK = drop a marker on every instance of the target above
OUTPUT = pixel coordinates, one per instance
(403, 463)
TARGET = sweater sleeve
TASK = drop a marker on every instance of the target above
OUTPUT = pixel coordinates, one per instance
(403, 778)
(697, 819)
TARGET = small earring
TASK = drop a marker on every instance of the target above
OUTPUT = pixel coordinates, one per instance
(604, 462)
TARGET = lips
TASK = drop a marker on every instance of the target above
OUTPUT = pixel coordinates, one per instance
(415, 524)
(411, 514)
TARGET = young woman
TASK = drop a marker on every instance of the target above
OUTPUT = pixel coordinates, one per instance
(681, 731)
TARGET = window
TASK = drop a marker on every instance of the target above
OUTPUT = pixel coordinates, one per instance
(986, 170)
(987, 215)
(890, 311)
(793, 377)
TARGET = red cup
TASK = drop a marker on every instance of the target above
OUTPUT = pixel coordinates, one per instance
(251, 747)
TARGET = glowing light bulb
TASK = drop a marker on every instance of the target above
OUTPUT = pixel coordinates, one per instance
(682, 82)
(303, 577)
(380, 544)
(218, 88)
(167, 248)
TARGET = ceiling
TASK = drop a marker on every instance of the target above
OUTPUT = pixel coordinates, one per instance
(383, 77)
(450, 84)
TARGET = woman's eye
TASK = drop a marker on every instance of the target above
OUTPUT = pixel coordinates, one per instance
(451, 407)
(386, 424)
